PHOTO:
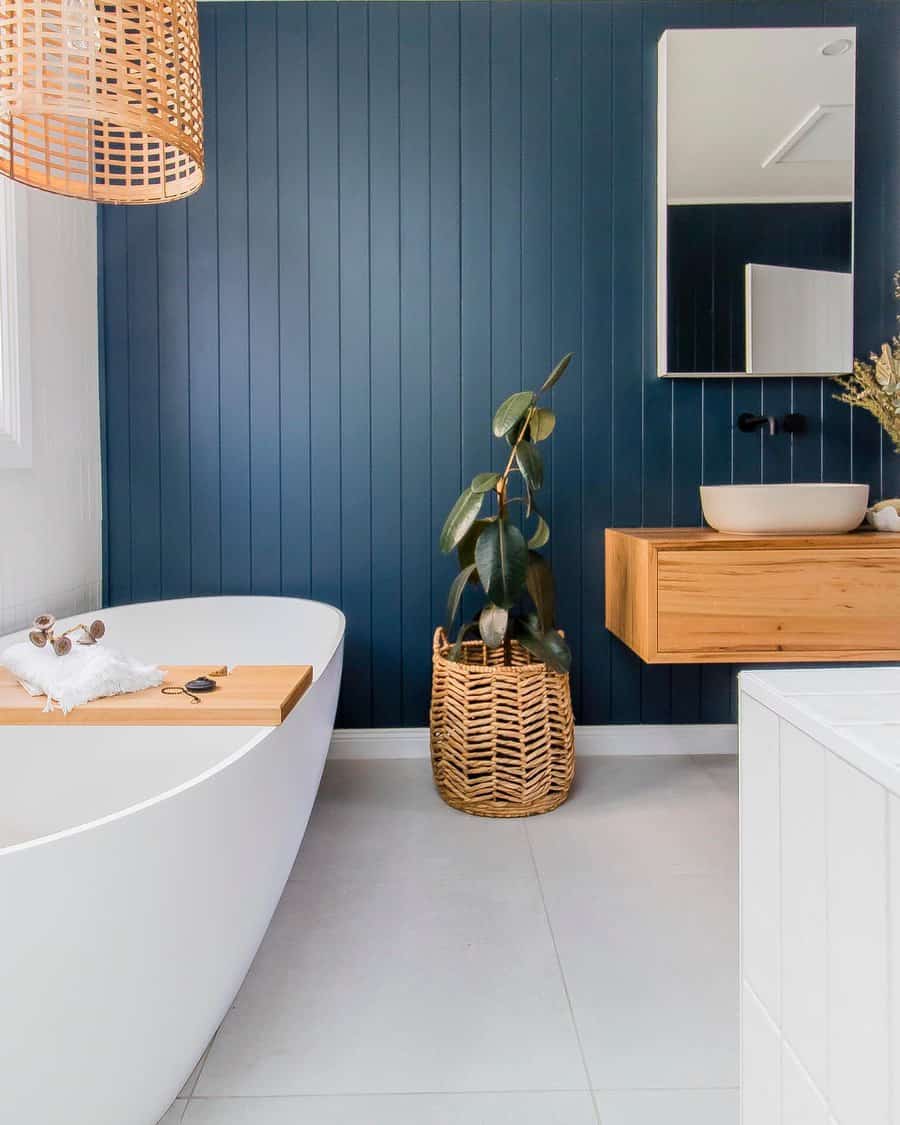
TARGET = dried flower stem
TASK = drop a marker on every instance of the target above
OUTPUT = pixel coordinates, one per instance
(875, 386)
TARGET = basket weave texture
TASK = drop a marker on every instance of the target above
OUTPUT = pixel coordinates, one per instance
(502, 736)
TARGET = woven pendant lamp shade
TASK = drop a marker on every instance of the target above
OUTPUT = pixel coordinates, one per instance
(102, 100)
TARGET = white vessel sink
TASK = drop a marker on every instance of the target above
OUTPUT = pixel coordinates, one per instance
(784, 509)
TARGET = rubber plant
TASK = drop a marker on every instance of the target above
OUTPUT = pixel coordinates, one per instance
(494, 554)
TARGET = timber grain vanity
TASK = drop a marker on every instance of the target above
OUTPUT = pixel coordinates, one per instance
(696, 596)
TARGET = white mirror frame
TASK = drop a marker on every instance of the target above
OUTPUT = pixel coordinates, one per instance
(662, 207)
(662, 248)
(15, 334)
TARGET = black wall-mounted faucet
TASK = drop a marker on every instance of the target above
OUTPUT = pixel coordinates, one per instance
(748, 423)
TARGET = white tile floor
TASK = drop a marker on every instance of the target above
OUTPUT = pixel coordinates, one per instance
(433, 968)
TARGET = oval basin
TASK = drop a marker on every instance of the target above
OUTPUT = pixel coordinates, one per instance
(784, 509)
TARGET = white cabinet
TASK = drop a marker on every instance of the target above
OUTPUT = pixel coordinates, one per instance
(820, 897)
(894, 951)
(803, 899)
(760, 1062)
(760, 927)
(801, 1102)
(857, 985)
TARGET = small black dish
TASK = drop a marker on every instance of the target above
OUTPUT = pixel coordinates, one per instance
(203, 683)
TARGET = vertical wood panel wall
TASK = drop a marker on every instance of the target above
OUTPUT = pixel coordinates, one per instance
(410, 210)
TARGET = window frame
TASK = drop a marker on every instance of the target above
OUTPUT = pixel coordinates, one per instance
(15, 335)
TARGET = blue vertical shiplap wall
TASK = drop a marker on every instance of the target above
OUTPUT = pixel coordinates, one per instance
(410, 210)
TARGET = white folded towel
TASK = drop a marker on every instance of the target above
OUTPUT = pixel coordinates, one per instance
(87, 672)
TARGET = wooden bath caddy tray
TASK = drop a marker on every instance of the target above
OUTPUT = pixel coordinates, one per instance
(252, 695)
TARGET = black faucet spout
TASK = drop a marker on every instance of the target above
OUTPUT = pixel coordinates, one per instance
(748, 423)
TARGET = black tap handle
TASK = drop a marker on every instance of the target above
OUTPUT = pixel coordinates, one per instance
(794, 424)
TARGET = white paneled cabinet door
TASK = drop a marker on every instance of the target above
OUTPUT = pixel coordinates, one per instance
(858, 1086)
(894, 951)
(801, 1102)
(820, 901)
(760, 848)
(760, 1063)
(804, 1009)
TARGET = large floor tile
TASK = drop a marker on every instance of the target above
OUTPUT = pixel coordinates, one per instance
(175, 1113)
(382, 819)
(636, 820)
(191, 1082)
(645, 919)
(668, 1107)
(411, 953)
(399, 1109)
(723, 769)
(652, 973)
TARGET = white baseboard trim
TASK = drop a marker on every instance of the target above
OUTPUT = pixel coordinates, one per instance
(603, 741)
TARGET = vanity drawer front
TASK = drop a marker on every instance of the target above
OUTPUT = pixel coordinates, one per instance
(777, 602)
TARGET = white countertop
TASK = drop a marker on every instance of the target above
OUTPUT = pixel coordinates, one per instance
(855, 712)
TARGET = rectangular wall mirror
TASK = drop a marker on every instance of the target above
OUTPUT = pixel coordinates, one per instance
(755, 201)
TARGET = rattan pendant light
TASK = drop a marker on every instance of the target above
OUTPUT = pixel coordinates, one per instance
(102, 100)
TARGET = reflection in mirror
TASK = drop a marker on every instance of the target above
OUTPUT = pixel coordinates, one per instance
(755, 207)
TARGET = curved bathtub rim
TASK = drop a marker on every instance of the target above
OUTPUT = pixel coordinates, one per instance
(22, 634)
(211, 771)
(131, 810)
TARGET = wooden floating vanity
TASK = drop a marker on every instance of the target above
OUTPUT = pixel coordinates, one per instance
(695, 596)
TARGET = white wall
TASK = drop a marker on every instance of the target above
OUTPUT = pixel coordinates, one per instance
(50, 557)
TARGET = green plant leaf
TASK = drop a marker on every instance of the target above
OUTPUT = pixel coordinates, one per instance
(560, 653)
(510, 411)
(484, 482)
(501, 557)
(529, 625)
(539, 580)
(550, 647)
(541, 535)
(492, 624)
(520, 431)
(465, 549)
(464, 629)
(462, 516)
(455, 596)
(542, 424)
(531, 508)
(557, 373)
(531, 464)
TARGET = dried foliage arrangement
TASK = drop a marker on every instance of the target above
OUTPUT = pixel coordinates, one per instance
(43, 634)
(875, 386)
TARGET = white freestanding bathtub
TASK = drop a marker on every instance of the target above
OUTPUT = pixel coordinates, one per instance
(140, 866)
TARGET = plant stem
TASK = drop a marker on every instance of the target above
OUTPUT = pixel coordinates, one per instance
(502, 486)
(512, 453)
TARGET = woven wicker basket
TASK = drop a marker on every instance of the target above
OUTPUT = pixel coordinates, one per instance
(502, 736)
